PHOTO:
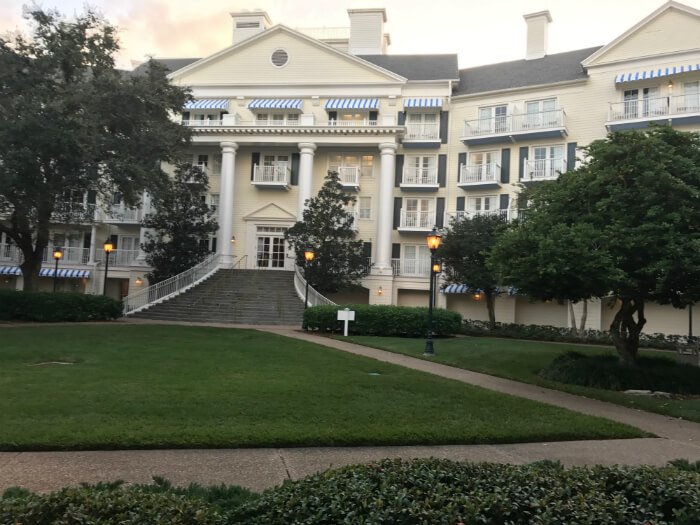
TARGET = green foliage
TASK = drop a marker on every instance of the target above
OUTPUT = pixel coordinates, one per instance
(684, 464)
(602, 371)
(181, 224)
(441, 491)
(56, 307)
(402, 321)
(70, 122)
(327, 228)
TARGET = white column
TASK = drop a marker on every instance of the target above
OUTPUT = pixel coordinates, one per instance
(145, 209)
(385, 215)
(223, 242)
(93, 244)
(306, 170)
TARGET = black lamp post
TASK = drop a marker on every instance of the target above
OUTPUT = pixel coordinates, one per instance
(57, 254)
(433, 240)
(436, 271)
(308, 256)
(108, 248)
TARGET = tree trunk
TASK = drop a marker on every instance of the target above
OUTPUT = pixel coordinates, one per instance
(584, 318)
(30, 271)
(625, 330)
(491, 307)
(572, 316)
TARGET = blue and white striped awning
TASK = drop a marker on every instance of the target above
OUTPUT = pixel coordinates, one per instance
(352, 103)
(276, 103)
(466, 289)
(422, 103)
(64, 272)
(207, 103)
(10, 270)
(656, 73)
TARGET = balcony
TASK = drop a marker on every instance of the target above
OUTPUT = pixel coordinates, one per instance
(422, 135)
(355, 218)
(73, 212)
(120, 214)
(515, 128)
(118, 257)
(349, 176)
(411, 267)
(480, 176)
(71, 254)
(419, 178)
(506, 214)
(636, 114)
(274, 176)
(543, 169)
(416, 221)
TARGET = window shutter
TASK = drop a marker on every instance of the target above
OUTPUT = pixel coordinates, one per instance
(213, 245)
(398, 170)
(521, 165)
(185, 115)
(460, 203)
(87, 238)
(367, 249)
(461, 159)
(570, 156)
(396, 251)
(295, 169)
(114, 239)
(505, 198)
(373, 115)
(255, 159)
(91, 197)
(397, 211)
(401, 118)
(442, 170)
(444, 120)
(505, 165)
(332, 115)
(440, 212)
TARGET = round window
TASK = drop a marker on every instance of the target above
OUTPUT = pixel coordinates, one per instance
(279, 57)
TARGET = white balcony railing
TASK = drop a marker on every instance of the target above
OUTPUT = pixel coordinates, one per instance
(650, 108)
(411, 267)
(479, 173)
(275, 174)
(352, 123)
(118, 257)
(419, 176)
(355, 218)
(202, 123)
(505, 214)
(515, 123)
(543, 169)
(417, 220)
(305, 119)
(348, 175)
(121, 213)
(73, 212)
(420, 131)
(71, 254)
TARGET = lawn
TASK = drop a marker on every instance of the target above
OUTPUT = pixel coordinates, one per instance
(175, 387)
(522, 360)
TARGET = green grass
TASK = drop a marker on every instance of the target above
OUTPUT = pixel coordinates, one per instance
(175, 387)
(522, 360)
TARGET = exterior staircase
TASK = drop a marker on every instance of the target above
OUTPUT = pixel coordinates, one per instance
(236, 297)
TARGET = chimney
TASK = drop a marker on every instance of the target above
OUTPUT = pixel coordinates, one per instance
(249, 23)
(367, 35)
(537, 25)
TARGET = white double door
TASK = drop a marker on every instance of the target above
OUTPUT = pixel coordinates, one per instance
(270, 248)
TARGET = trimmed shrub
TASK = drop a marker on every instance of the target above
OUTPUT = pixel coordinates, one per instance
(401, 321)
(54, 307)
(604, 371)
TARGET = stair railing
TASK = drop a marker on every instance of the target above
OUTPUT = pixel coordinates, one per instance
(315, 298)
(170, 287)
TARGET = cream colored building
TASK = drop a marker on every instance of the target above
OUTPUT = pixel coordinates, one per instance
(416, 140)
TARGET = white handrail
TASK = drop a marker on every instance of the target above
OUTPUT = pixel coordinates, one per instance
(315, 298)
(171, 287)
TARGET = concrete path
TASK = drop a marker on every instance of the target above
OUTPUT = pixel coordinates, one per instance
(258, 469)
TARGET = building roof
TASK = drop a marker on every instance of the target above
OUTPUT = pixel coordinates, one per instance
(522, 73)
(418, 67)
(171, 64)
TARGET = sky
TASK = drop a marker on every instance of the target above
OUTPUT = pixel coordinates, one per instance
(479, 31)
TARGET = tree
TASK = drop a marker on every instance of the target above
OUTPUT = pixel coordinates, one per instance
(626, 223)
(70, 122)
(182, 224)
(328, 229)
(465, 250)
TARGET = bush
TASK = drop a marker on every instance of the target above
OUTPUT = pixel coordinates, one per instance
(54, 307)
(564, 335)
(605, 371)
(401, 321)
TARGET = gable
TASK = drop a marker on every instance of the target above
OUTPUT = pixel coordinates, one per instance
(672, 30)
(309, 63)
(270, 212)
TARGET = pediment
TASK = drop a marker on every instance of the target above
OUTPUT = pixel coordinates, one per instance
(310, 62)
(270, 212)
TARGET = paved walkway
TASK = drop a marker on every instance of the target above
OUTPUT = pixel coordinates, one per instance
(262, 468)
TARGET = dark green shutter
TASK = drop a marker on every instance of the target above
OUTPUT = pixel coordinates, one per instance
(460, 203)
(401, 119)
(461, 159)
(398, 170)
(398, 201)
(332, 115)
(295, 169)
(367, 249)
(570, 156)
(442, 170)
(440, 212)
(521, 165)
(444, 122)
(91, 197)
(396, 251)
(373, 116)
(255, 159)
(505, 165)
(87, 238)
(504, 201)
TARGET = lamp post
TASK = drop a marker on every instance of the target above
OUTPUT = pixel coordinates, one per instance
(308, 256)
(436, 271)
(57, 254)
(108, 248)
(433, 240)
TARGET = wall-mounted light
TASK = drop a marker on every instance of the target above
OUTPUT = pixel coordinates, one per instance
(380, 291)
(138, 281)
(233, 239)
(477, 296)
(670, 86)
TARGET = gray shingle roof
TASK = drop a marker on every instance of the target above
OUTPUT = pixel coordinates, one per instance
(418, 67)
(522, 73)
(171, 64)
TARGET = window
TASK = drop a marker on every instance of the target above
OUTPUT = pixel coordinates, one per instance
(365, 206)
(541, 113)
(691, 97)
(418, 213)
(349, 167)
(547, 162)
(279, 57)
(493, 119)
(416, 259)
(203, 161)
(247, 25)
(128, 243)
(482, 205)
(644, 102)
(214, 201)
(367, 166)
(420, 170)
(424, 126)
(277, 119)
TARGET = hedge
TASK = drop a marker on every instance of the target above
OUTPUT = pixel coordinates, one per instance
(383, 320)
(565, 335)
(426, 491)
(54, 307)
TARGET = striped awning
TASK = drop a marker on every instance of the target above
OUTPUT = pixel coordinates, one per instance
(276, 103)
(10, 270)
(352, 103)
(422, 103)
(207, 103)
(656, 73)
(65, 272)
(466, 289)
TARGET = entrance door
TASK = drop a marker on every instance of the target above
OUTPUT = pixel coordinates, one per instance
(270, 248)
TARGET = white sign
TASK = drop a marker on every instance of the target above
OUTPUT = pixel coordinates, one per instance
(346, 315)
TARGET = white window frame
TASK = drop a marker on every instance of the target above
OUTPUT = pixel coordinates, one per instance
(364, 212)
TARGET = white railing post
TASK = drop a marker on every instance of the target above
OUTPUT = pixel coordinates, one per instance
(315, 298)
